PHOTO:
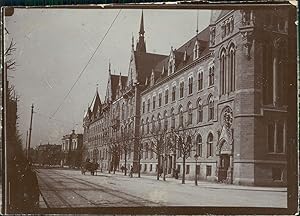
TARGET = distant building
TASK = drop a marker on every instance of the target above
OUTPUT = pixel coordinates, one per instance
(72, 149)
(226, 87)
(48, 154)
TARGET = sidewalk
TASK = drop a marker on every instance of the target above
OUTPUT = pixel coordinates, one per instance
(201, 183)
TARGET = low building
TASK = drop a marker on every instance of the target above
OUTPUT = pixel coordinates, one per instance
(72, 149)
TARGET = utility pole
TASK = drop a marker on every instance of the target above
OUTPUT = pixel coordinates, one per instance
(26, 144)
(30, 129)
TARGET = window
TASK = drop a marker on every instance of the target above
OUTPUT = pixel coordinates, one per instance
(199, 146)
(146, 150)
(154, 100)
(151, 151)
(223, 72)
(200, 112)
(189, 146)
(150, 167)
(147, 126)
(153, 124)
(231, 68)
(209, 145)
(211, 75)
(172, 118)
(200, 80)
(142, 126)
(159, 99)
(165, 121)
(143, 107)
(190, 113)
(173, 93)
(148, 105)
(190, 85)
(145, 167)
(276, 137)
(187, 169)
(159, 122)
(181, 89)
(210, 108)
(208, 170)
(166, 96)
(180, 116)
(276, 174)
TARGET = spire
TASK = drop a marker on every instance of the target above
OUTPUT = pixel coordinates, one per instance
(109, 70)
(142, 31)
(120, 81)
(141, 45)
(132, 41)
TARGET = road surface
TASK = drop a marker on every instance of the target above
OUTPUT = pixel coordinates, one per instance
(61, 188)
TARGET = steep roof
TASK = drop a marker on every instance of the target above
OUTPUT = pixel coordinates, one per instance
(96, 102)
(115, 84)
(145, 62)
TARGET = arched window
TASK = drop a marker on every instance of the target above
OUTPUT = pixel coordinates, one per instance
(199, 146)
(200, 80)
(190, 85)
(210, 108)
(223, 72)
(190, 113)
(188, 146)
(159, 121)
(142, 126)
(200, 111)
(172, 118)
(180, 110)
(210, 145)
(153, 124)
(211, 75)
(147, 125)
(146, 150)
(165, 121)
(231, 75)
(181, 89)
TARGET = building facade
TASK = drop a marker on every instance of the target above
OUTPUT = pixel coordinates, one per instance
(48, 154)
(215, 107)
(72, 145)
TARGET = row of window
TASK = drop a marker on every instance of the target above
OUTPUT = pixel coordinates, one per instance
(181, 91)
(180, 116)
(227, 70)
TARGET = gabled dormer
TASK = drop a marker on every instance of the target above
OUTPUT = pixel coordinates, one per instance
(152, 79)
(171, 62)
(196, 50)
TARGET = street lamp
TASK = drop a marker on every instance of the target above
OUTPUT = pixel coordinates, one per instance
(196, 156)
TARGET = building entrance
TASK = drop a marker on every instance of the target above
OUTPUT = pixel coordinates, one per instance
(223, 167)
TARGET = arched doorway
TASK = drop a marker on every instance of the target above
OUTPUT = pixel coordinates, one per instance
(224, 165)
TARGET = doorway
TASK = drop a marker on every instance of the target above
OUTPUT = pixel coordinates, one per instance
(223, 167)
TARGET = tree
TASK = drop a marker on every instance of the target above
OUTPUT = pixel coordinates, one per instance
(184, 144)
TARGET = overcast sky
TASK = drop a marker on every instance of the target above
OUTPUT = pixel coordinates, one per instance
(54, 45)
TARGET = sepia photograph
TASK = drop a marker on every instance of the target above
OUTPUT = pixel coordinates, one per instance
(126, 109)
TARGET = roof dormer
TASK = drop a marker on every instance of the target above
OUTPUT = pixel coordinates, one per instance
(152, 79)
(196, 50)
(171, 63)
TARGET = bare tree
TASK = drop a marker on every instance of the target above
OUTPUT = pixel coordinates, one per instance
(183, 141)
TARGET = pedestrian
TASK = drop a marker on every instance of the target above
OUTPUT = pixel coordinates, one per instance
(131, 172)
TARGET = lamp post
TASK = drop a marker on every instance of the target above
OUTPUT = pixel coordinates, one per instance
(196, 173)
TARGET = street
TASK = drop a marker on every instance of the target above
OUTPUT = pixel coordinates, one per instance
(62, 188)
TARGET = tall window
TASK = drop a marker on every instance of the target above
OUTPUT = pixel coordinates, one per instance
(147, 125)
(173, 93)
(151, 150)
(148, 105)
(223, 72)
(199, 146)
(165, 121)
(180, 116)
(154, 101)
(153, 124)
(143, 107)
(142, 126)
(210, 108)
(190, 113)
(209, 145)
(166, 96)
(200, 112)
(190, 85)
(146, 150)
(200, 80)
(211, 75)
(159, 121)
(231, 68)
(181, 89)
(159, 99)
(276, 137)
(123, 109)
(172, 118)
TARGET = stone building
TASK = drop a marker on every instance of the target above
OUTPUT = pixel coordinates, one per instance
(72, 145)
(214, 106)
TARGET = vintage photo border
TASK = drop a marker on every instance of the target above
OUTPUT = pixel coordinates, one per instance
(292, 150)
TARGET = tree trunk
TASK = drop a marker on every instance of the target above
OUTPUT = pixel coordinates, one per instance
(158, 166)
(125, 173)
(183, 170)
(164, 167)
(139, 173)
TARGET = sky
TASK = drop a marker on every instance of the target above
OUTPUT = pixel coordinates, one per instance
(54, 45)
